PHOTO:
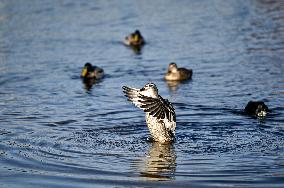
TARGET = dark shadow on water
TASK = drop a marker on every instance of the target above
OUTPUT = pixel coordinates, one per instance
(89, 83)
(137, 49)
(160, 163)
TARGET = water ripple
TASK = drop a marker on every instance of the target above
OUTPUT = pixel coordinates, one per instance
(59, 132)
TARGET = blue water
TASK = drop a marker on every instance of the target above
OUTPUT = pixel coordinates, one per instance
(54, 132)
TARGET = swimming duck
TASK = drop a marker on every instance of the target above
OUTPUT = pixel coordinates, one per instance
(160, 114)
(134, 39)
(92, 72)
(256, 108)
(177, 74)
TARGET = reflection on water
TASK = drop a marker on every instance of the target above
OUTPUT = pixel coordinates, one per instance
(160, 162)
(174, 85)
(52, 129)
(88, 83)
(136, 49)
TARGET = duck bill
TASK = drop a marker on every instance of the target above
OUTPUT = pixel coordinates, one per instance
(84, 72)
(136, 38)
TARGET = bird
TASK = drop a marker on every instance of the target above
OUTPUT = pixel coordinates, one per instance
(92, 72)
(256, 108)
(134, 39)
(177, 74)
(160, 113)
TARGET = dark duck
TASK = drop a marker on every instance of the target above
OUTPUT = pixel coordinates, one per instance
(92, 72)
(256, 108)
(134, 39)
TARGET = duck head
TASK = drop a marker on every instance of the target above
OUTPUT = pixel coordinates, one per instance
(137, 36)
(87, 70)
(150, 90)
(260, 111)
(172, 67)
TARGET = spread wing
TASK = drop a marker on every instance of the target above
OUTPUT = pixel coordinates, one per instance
(157, 107)
(132, 95)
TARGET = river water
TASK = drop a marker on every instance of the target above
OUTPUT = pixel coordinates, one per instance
(56, 132)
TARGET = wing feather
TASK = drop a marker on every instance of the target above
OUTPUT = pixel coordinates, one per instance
(157, 107)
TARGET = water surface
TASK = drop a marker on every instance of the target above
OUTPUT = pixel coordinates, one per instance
(55, 132)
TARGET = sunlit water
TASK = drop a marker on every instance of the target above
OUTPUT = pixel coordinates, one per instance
(54, 132)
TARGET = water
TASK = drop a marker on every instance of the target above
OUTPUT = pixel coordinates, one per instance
(56, 133)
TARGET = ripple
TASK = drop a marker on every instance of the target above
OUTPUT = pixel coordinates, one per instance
(55, 131)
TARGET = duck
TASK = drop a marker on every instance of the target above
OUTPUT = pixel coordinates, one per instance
(134, 39)
(160, 114)
(177, 74)
(256, 108)
(92, 72)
